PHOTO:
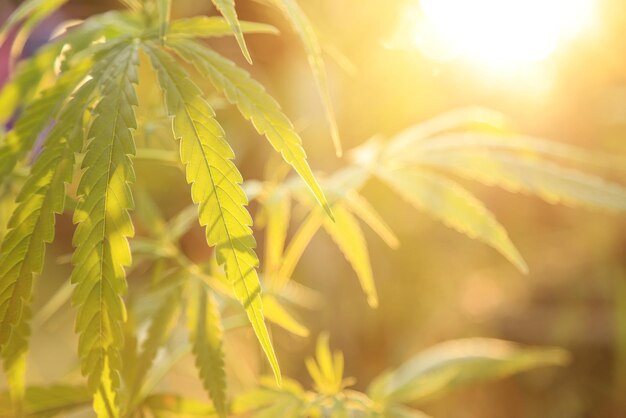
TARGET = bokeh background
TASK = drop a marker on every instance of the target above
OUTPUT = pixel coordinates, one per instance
(385, 75)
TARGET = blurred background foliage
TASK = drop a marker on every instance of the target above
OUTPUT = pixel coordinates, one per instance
(437, 285)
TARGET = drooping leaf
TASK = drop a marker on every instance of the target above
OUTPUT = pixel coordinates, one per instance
(348, 235)
(301, 24)
(254, 104)
(276, 313)
(227, 9)
(362, 208)
(297, 245)
(216, 188)
(451, 204)
(161, 326)
(455, 363)
(102, 249)
(205, 332)
(277, 211)
(547, 180)
(211, 26)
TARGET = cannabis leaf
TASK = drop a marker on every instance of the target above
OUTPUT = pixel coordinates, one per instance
(305, 31)
(448, 202)
(205, 332)
(215, 188)
(227, 9)
(104, 224)
(254, 104)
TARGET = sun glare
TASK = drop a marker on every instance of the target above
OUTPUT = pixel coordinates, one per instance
(499, 33)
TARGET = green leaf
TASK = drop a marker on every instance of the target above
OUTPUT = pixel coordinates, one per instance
(102, 249)
(163, 7)
(206, 335)
(254, 104)
(227, 9)
(362, 208)
(297, 245)
(348, 235)
(276, 313)
(48, 401)
(456, 363)
(549, 181)
(277, 212)
(37, 116)
(216, 188)
(466, 119)
(305, 31)
(210, 27)
(451, 204)
(161, 326)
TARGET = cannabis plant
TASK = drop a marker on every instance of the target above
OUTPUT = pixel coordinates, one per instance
(74, 105)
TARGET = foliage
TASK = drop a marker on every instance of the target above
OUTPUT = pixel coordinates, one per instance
(83, 110)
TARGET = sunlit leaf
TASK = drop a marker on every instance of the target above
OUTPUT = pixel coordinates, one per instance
(255, 104)
(211, 26)
(48, 401)
(276, 313)
(227, 9)
(102, 250)
(546, 179)
(451, 204)
(348, 235)
(301, 24)
(456, 363)
(215, 188)
(205, 331)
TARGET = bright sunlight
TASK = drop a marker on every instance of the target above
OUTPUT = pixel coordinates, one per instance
(500, 33)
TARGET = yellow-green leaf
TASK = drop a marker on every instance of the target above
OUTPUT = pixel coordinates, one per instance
(451, 204)
(227, 9)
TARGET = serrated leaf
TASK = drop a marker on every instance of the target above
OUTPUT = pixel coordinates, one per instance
(451, 204)
(227, 9)
(456, 363)
(206, 335)
(216, 188)
(348, 235)
(276, 313)
(102, 249)
(161, 326)
(305, 31)
(47, 401)
(211, 26)
(545, 179)
(362, 208)
(37, 116)
(254, 104)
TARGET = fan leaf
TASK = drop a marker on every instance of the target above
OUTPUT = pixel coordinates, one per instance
(254, 104)
(205, 332)
(216, 188)
(102, 249)
(451, 204)
(227, 9)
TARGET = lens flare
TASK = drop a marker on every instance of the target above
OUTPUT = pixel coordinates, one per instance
(500, 32)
